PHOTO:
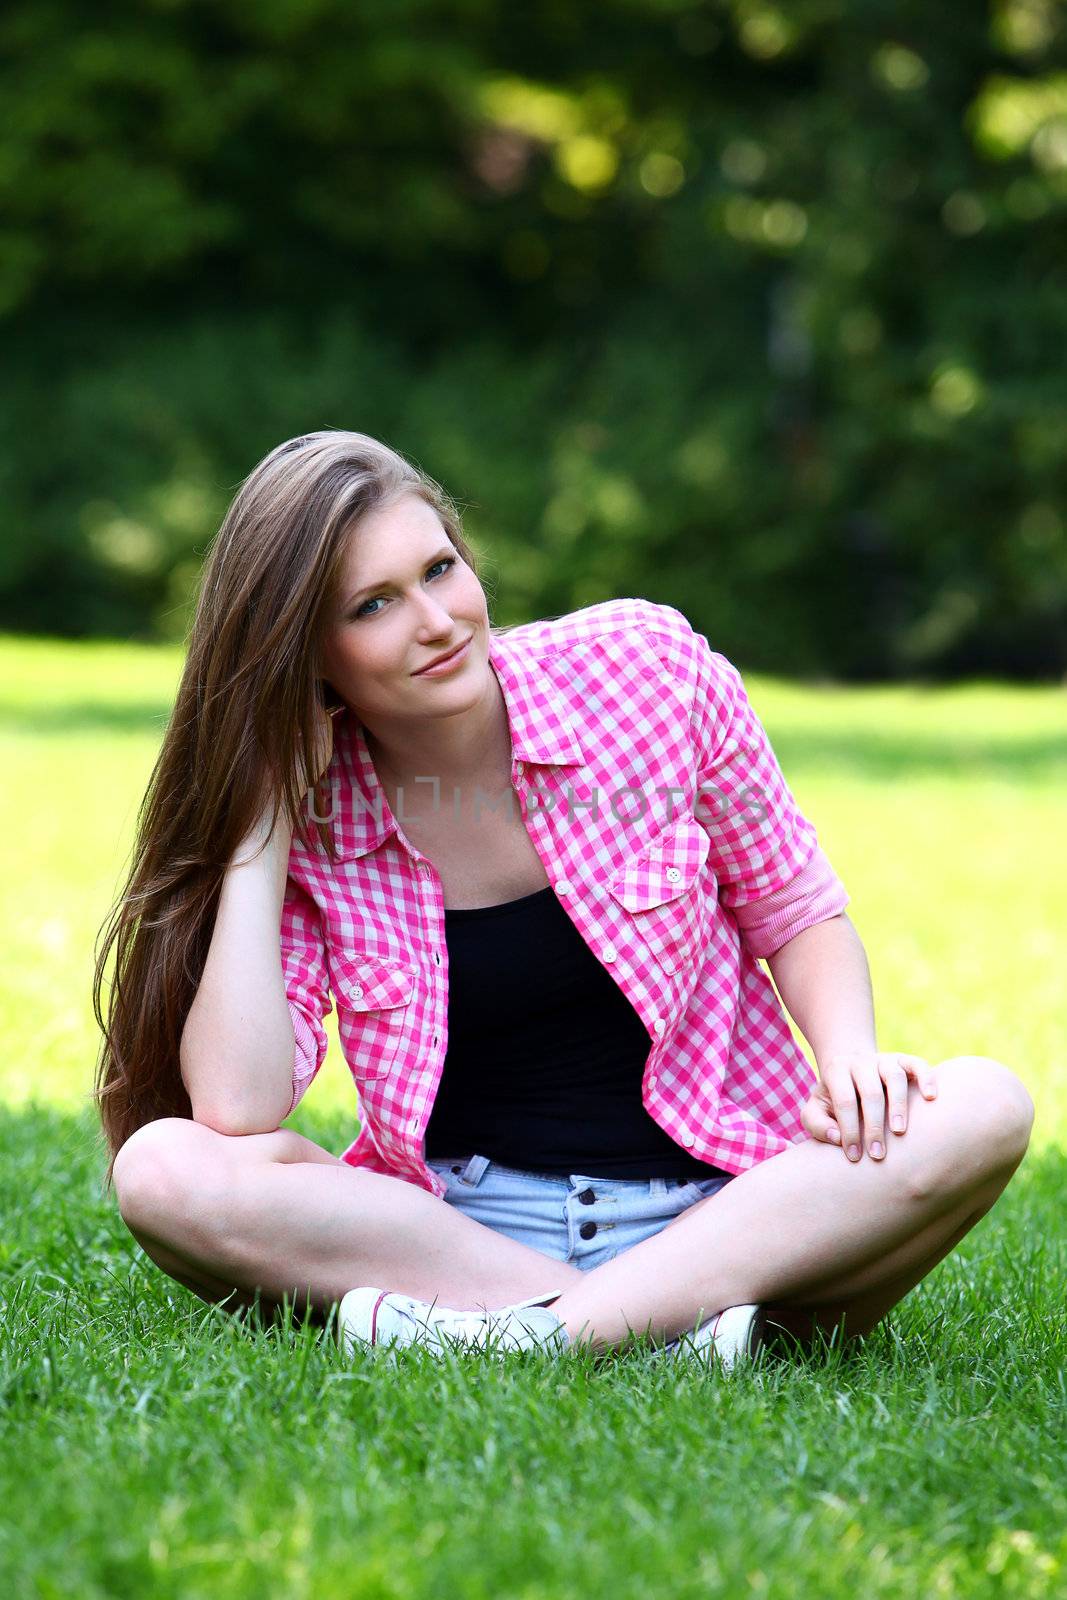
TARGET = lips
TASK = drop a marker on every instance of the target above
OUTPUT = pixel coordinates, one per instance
(442, 659)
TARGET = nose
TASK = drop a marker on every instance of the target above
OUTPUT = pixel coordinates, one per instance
(435, 620)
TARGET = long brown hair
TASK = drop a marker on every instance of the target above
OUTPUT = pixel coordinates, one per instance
(244, 723)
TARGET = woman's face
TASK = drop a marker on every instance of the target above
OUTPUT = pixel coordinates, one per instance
(406, 597)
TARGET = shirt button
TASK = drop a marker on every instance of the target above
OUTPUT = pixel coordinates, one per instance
(519, 769)
(610, 953)
(673, 874)
(563, 887)
(355, 991)
(659, 1026)
(652, 1082)
(688, 1139)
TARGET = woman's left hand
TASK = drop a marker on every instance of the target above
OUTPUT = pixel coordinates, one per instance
(858, 1084)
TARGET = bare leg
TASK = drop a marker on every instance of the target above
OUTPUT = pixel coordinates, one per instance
(857, 1313)
(809, 1228)
(277, 1213)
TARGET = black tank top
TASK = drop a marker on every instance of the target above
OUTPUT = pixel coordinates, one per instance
(545, 1053)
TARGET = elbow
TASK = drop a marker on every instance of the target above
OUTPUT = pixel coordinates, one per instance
(227, 1110)
(237, 1121)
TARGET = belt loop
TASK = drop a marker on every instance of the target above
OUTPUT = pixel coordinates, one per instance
(657, 1188)
(474, 1171)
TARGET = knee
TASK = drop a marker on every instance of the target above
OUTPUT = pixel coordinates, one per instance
(988, 1116)
(154, 1170)
(1001, 1107)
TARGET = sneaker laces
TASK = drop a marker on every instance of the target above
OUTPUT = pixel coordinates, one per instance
(478, 1328)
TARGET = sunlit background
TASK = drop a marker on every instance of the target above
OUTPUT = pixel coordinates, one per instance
(757, 309)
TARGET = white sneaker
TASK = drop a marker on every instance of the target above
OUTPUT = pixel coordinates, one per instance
(372, 1318)
(728, 1339)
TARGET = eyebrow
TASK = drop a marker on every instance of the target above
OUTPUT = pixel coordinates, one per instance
(384, 583)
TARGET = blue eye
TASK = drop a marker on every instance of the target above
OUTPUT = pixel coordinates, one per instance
(361, 611)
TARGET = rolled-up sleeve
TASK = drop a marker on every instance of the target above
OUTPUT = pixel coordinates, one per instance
(306, 984)
(814, 896)
(773, 876)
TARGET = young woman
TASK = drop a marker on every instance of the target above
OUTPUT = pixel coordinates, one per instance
(536, 869)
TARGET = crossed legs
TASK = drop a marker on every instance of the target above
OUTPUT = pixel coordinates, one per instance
(819, 1241)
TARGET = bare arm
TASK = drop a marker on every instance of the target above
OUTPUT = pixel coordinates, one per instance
(238, 1044)
(824, 980)
(825, 984)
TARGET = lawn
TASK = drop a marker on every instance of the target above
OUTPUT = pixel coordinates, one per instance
(153, 1446)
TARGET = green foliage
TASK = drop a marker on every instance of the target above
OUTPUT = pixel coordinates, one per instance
(752, 308)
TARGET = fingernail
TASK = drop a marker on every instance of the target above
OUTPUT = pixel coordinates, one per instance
(834, 1135)
(876, 1151)
(853, 1152)
(898, 1124)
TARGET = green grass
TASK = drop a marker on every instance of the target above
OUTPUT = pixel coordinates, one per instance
(152, 1445)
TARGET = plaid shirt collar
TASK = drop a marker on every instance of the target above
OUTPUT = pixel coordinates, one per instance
(544, 727)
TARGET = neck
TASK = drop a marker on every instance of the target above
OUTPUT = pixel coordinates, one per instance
(471, 748)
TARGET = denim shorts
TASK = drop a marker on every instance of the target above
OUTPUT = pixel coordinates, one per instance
(578, 1219)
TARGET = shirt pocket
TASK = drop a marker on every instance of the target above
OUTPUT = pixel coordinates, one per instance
(666, 889)
(373, 996)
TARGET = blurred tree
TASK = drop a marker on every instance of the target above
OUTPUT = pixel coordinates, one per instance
(750, 307)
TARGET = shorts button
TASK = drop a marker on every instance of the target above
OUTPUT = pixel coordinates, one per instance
(587, 1230)
(587, 1197)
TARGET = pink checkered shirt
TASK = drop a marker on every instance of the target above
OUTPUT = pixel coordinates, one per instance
(652, 796)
